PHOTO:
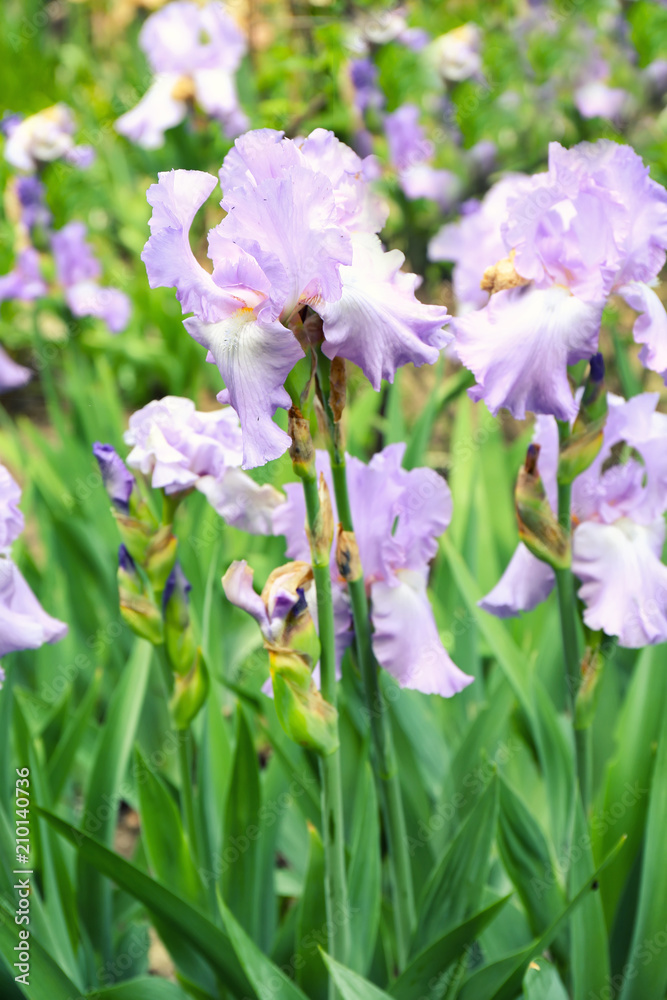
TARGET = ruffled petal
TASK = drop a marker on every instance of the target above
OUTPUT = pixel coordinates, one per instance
(406, 641)
(254, 360)
(624, 583)
(519, 346)
(378, 323)
(169, 260)
(11, 519)
(288, 224)
(241, 501)
(526, 582)
(24, 624)
(650, 327)
(156, 112)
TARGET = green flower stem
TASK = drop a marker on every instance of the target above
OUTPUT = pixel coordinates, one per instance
(333, 831)
(570, 632)
(187, 800)
(385, 761)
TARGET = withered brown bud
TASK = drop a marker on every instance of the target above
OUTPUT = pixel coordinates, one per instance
(337, 388)
(301, 449)
(502, 276)
(347, 556)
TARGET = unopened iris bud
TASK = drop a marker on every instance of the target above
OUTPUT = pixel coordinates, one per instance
(582, 446)
(347, 556)
(303, 713)
(118, 480)
(178, 633)
(321, 536)
(142, 615)
(129, 580)
(301, 449)
(160, 557)
(539, 529)
(190, 693)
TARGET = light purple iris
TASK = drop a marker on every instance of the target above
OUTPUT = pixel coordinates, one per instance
(78, 271)
(23, 622)
(299, 230)
(593, 225)
(194, 52)
(181, 448)
(12, 375)
(474, 242)
(398, 517)
(618, 508)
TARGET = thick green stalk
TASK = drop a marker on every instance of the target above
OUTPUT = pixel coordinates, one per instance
(385, 762)
(333, 831)
(569, 630)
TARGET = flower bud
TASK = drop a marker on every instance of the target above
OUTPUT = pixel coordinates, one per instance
(190, 693)
(321, 536)
(301, 449)
(347, 556)
(118, 480)
(178, 633)
(303, 713)
(142, 615)
(539, 529)
(581, 448)
(160, 557)
(586, 699)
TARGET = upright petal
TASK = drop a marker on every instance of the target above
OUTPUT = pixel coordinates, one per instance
(254, 360)
(24, 624)
(624, 583)
(526, 582)
(519, 346)
(215, 90)
(378, 323)
(406, 641)
(169, 260)
(288, 225)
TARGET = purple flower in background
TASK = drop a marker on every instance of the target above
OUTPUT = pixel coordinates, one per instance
(398, 516)
(593, 225)
(367, 94)
(475, 241)
(12, 375)
(23, 622)
(194, 52)
(655, 78)
(118, 482)
(30, 192)
(25, 281)
(78, 271)
(181, 448)
(618, 507)
(414, 38)
(597, 100)
(407, 140)
(299, 231)
(44, 137)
